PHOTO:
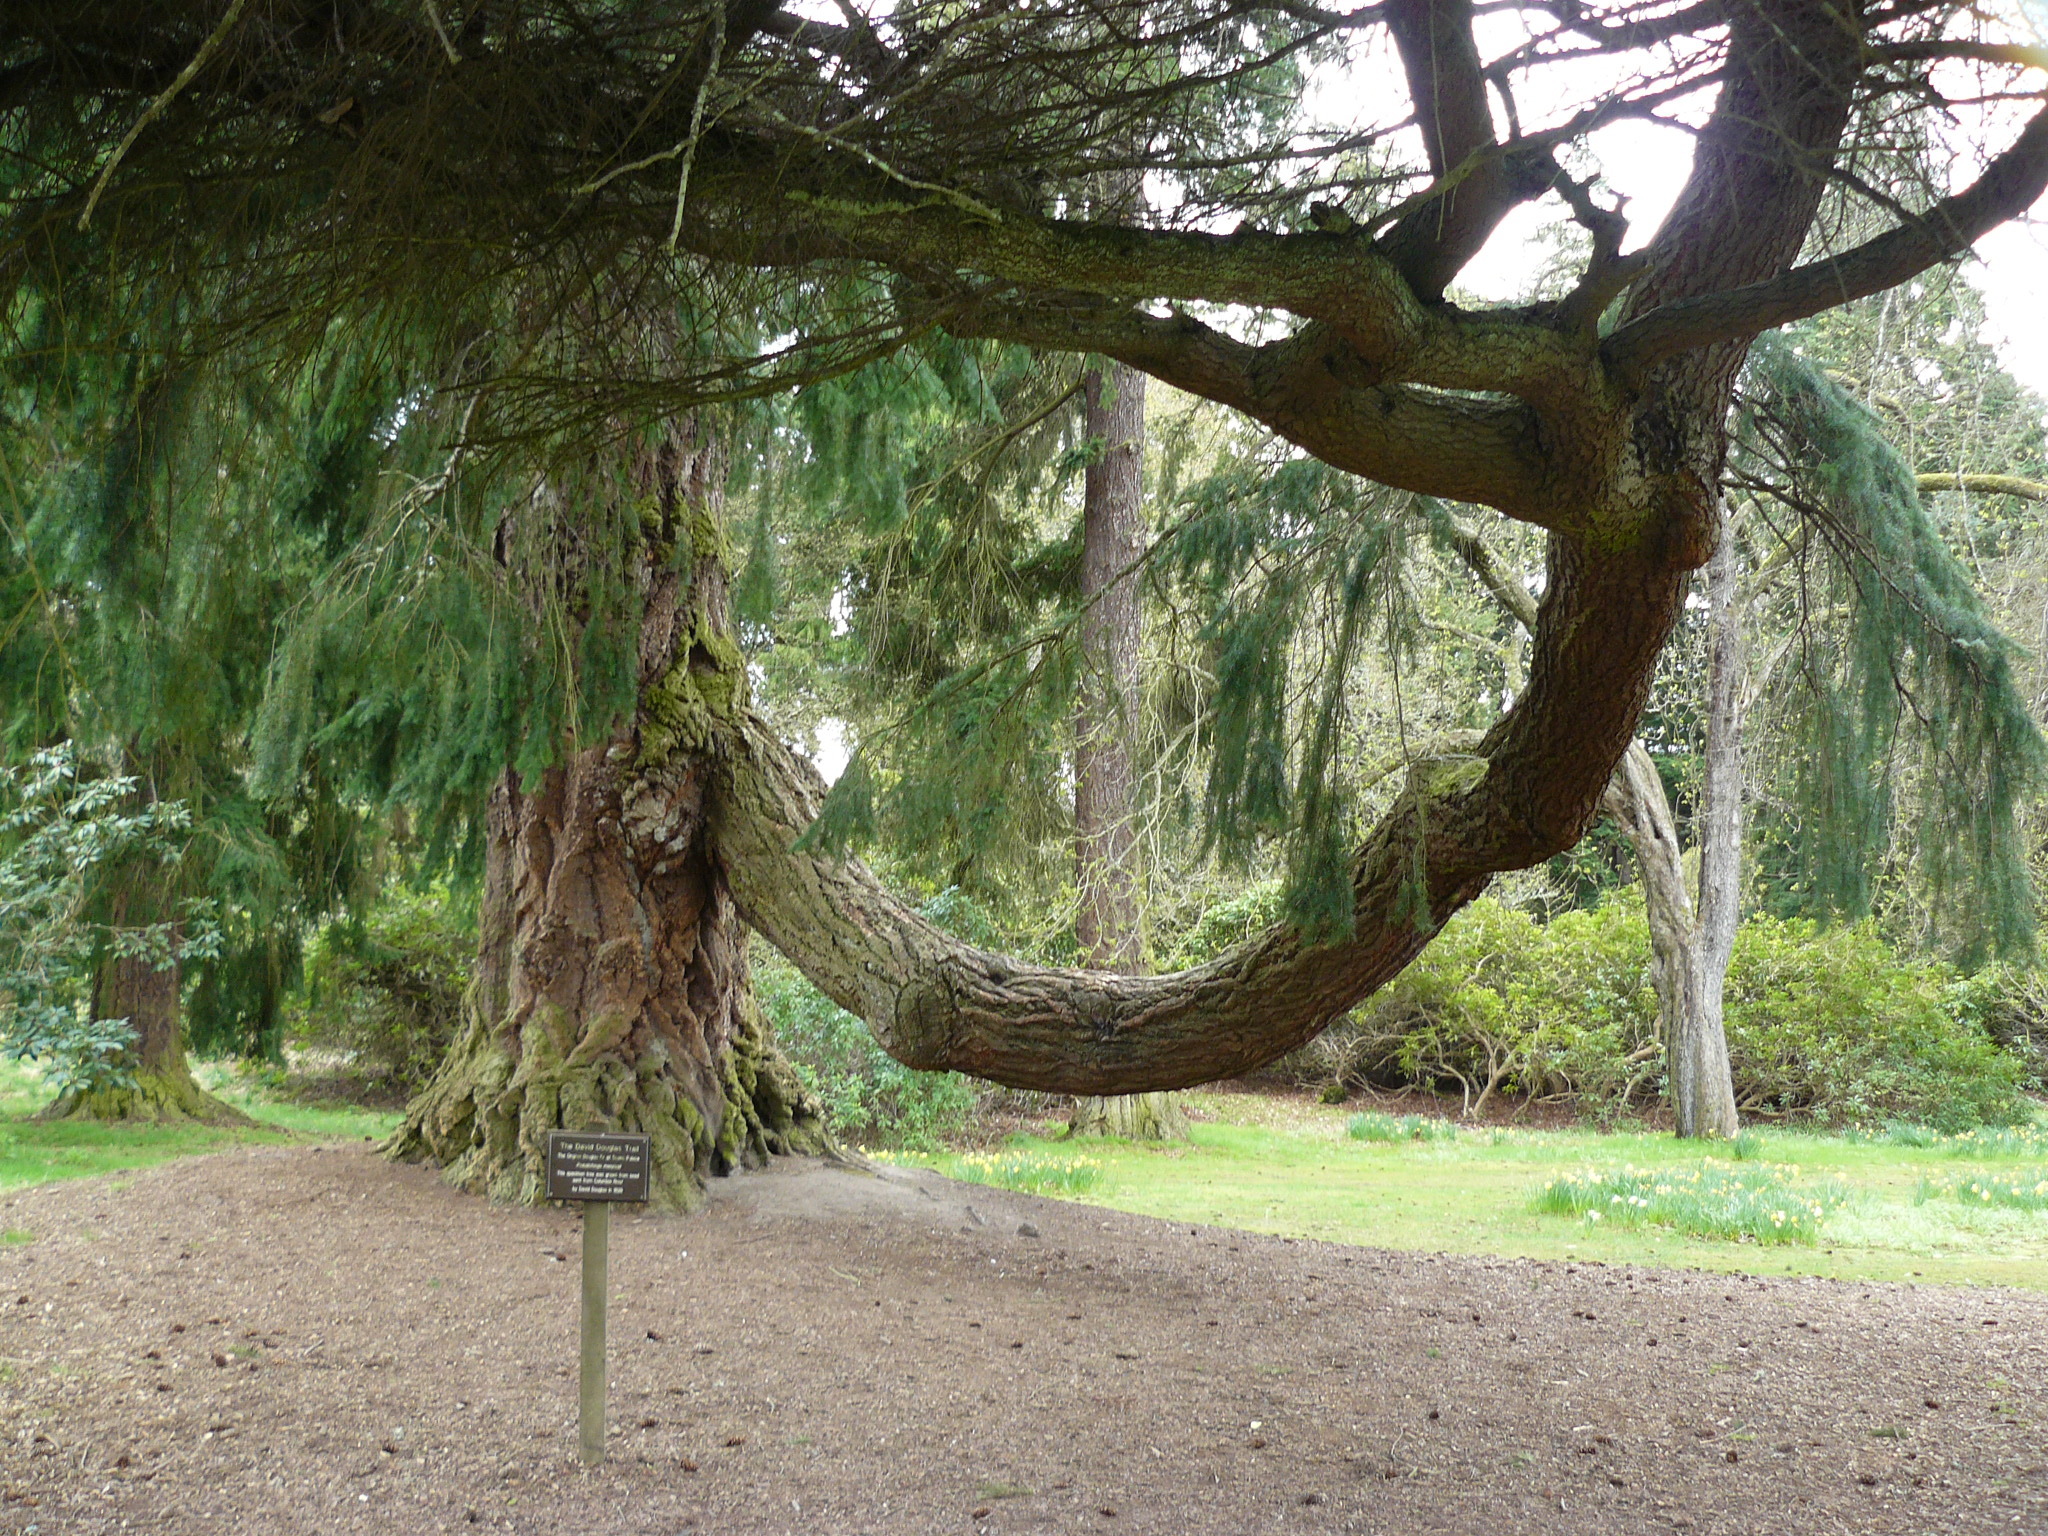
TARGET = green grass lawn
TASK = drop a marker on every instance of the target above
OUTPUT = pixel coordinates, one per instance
(1912, 1206)
(35, 1153)
(1947, 1210)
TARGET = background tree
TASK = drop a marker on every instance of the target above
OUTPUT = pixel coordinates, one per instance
(1109, 927)
(908, 169)
(141, 633)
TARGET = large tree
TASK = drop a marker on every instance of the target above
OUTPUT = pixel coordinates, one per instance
(281, 167)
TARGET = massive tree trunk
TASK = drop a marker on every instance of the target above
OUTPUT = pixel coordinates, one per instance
(612, 989)
(1109, 925)
(148, 996)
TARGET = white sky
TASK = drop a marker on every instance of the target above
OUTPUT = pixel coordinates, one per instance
(1648, 164)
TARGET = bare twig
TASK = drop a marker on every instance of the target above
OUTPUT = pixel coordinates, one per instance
(155, 109)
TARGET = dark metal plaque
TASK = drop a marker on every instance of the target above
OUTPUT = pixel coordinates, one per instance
(597, 1165)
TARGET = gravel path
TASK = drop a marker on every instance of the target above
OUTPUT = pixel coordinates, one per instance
(311, 1340)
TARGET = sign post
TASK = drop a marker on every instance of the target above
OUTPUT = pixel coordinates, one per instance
(595, 1167)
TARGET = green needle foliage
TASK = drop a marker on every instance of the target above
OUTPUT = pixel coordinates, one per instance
(59, 835)
(1906, 725)
(1293, 567)
(162, 516)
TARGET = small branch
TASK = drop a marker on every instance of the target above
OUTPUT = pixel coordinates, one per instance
(966, 204)
(156, 108)
(675, 228)
(434, 18)
(1984, 485)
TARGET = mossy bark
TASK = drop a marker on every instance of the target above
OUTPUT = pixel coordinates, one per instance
(161, 1087)
(612, 989)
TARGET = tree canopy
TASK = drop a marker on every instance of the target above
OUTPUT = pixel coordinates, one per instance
(568, 218)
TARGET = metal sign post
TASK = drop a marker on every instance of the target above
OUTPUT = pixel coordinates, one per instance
(595, 1167)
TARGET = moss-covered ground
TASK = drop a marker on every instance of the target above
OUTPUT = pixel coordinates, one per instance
(33, 1152)
(1898, 1205)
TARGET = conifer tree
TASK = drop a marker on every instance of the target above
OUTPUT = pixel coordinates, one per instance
(141, 634)
(1109, 927)
(906, 171)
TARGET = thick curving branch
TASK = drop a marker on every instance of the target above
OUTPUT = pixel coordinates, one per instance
(1313, 389)
(935, 1002)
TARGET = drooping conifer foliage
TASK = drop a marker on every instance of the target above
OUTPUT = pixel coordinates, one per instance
(772, 197)
(139, 485)
(1890, 643)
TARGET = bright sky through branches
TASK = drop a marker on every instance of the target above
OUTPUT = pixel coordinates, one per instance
(1647, 163)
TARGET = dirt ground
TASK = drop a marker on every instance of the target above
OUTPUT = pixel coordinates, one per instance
(311, 1340)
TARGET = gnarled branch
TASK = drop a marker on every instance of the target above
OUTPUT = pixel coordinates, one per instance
(2010, 185)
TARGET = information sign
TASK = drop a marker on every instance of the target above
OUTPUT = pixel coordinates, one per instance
(597, 1165)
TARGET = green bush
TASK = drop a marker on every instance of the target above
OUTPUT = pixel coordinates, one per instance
(1832, 1024)
(386, 989)
(1826, 1024)
(868, 1096)
(1499, 1003)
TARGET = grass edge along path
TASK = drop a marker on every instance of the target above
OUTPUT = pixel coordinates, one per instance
(34, 1152)
(1874, 1207)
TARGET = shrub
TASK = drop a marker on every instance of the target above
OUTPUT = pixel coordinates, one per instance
(1834, 1025)
(2010, 1004)
(1226, 923)
(1827, 1024)
(868, 1096)
(387, 988)
(1500, 1003)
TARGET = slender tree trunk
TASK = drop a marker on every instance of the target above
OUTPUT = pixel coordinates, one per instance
(1702, 1087)
(612, 989)
(131, 987)
(1689, 1026)
(1109, 925)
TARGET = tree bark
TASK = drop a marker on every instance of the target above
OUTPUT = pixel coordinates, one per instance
(1109, 926)
(1702, 1086)
(612, 989)
(149, 997)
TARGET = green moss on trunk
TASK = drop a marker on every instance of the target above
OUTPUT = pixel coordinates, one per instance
(159, 1097)
(485, 1117)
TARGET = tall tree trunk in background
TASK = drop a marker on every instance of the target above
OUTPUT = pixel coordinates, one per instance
(134, 988)
(1684, 969)
(1702, 1087)
(612, 989)
(1109, 925)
